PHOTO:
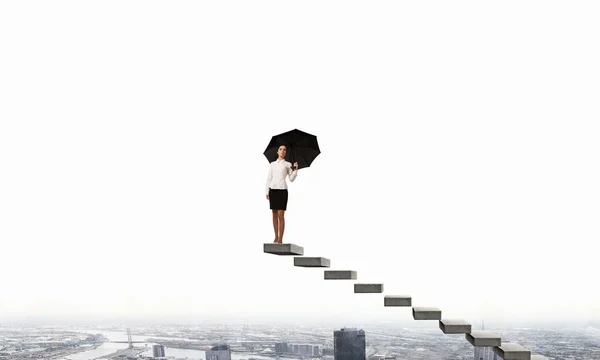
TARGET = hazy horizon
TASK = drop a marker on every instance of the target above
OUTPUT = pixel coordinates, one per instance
(459, 158)
(256, 320)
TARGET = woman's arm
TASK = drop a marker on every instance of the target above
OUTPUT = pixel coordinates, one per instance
(293, 173)
(269, 177)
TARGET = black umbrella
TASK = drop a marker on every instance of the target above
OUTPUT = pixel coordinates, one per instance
(302, 147)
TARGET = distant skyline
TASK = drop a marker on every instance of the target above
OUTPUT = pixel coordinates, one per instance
(399, 322)
(459, 158)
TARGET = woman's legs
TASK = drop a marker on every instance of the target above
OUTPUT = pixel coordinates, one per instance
(281, 218)
(275, 218)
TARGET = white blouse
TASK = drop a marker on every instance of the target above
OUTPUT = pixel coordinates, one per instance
(278, 170)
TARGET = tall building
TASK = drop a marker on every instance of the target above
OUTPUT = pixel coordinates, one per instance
(349, 344)
(484, 353)
(220, 352)
(281, 348)
(158, 351)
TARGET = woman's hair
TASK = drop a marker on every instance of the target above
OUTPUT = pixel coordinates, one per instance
(280, 145)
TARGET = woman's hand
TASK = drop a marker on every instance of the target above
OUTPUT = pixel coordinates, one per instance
(267, 196)
(296, 165)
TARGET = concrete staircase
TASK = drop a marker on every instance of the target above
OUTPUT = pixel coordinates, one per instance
(505, 350)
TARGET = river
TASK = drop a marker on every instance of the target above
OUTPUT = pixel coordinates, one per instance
(109, 348)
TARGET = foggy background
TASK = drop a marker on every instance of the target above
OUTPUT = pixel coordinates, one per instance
(459, 158)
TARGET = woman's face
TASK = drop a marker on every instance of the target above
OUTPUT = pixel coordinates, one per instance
(282, 151)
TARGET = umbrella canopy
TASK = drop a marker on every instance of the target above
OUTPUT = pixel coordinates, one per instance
(302, 147)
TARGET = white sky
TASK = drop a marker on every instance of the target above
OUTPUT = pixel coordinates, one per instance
(459, 157)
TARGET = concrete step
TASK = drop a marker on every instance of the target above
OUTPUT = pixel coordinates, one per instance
(539, 357)
(449, 326)
(340, 275)
(397, 300)
(426, 313)
(311, 262)
(512, 351)
(368, 288)
(283, 249)
(483, 338)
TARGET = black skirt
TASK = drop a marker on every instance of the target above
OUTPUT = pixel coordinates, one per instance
(278, 199)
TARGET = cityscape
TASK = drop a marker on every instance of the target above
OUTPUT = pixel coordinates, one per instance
(282, 342)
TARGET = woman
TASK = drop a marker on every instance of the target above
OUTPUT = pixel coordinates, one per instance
(277, 193)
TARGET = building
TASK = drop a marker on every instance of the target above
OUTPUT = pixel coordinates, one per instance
(349, 344)
(158, 351)
(484, 353)
(328, 352)
(281, 348)
(306, 350)
(220, 352)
